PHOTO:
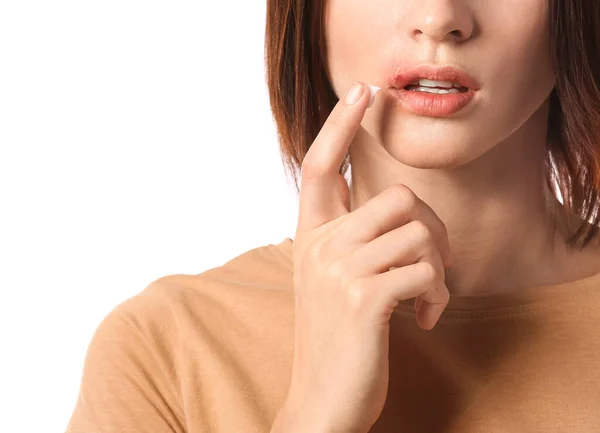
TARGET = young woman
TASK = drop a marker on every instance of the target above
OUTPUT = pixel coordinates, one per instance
(487, 112)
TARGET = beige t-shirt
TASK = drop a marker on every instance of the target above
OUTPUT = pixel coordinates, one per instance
(213, 353)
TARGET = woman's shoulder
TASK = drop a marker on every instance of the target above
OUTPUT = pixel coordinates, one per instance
(180, 328)
(256, 275)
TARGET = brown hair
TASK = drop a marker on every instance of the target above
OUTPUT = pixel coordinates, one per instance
(301, 97)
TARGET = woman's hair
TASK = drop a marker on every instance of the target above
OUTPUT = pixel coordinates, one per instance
(302, 98)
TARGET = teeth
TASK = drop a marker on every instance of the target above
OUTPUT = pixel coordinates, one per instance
(438, 91)
(431, 83)
(423, 82)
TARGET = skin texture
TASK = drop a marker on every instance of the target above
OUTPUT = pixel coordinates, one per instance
(480, 170)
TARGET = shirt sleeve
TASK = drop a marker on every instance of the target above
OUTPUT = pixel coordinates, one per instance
(126, 386)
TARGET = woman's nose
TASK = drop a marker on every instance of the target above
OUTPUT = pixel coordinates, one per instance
(440, 20)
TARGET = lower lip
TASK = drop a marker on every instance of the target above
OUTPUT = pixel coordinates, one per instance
(433, 104)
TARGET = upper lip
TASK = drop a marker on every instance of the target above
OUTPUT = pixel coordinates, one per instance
(431, 72)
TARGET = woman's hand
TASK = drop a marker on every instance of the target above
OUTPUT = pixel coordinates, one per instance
(350, 271)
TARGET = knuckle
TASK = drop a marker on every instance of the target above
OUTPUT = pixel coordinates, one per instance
(356, 293)
(445, 294)
(427, 272)
(335, 122)
(405, 195)
(421, 231)
(337, 272)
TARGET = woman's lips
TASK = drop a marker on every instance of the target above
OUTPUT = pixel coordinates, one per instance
(432, 104)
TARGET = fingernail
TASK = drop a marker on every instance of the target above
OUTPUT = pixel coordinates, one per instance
(373, 90)
(354, 93)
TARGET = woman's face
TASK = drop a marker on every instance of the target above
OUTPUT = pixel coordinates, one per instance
(504, 45)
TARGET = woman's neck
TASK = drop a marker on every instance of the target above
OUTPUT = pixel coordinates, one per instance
(506, 229)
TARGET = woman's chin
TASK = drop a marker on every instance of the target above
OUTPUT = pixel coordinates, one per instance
(430, 155)
(428, 143)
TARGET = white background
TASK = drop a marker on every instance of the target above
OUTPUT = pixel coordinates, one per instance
(136, 141)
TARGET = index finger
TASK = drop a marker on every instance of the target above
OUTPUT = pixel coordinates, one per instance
(320, 198)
